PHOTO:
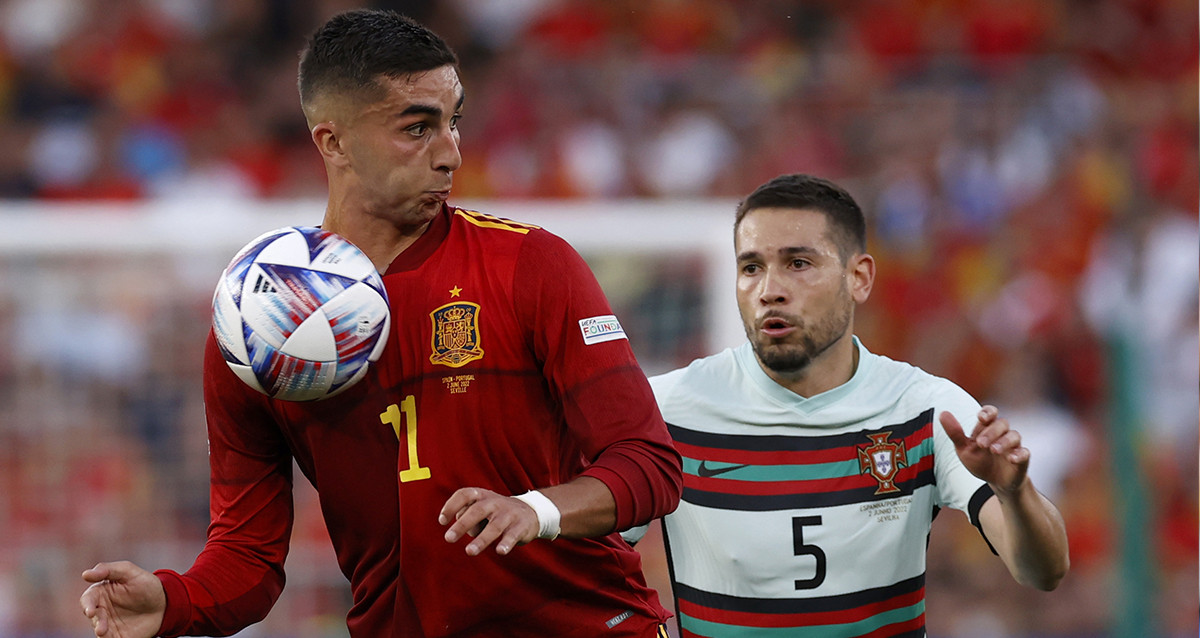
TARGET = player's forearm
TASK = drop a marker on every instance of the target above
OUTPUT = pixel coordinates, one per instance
(220, 595)
(586, 505)
(1036, 551)
(644, 477)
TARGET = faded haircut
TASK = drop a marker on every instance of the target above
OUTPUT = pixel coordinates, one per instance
(350, 52)
(800, 191)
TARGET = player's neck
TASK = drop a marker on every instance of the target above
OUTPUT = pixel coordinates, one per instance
(378, 237)
(828, 370)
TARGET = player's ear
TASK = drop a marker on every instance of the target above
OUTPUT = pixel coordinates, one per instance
(327, 136)
(861, 271)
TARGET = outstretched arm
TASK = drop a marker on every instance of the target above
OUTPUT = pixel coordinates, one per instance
(124, 601)
(1024, 526)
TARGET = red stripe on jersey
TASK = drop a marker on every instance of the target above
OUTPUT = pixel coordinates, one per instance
(840, 617)
(792, 457)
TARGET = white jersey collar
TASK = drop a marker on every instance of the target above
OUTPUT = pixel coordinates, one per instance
(744, 355)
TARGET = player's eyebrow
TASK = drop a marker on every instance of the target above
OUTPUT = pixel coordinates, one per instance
(421, 109)
(433, 111)
(786, 251)
(799, 250)
(749, 255)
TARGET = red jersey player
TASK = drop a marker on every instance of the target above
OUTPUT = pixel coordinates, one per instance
(507, 409)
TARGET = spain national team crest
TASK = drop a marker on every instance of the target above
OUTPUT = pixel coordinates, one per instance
(456, 334)
(882, 460)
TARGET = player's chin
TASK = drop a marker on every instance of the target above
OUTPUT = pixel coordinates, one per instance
(421, 211)
(782, 357)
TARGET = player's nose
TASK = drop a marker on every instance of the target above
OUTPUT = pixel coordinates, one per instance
(772, 289)
(446, 155)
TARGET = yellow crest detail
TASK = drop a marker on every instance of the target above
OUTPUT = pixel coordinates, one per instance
(456, 334)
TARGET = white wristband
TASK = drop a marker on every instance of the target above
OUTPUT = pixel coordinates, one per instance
(547, 512)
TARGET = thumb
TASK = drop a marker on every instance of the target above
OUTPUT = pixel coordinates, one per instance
(118, 571)
(953, 429)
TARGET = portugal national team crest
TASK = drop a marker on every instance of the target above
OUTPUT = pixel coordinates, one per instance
(456, 334)
(882, 460)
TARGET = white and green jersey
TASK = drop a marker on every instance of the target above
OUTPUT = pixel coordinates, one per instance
(809, 512)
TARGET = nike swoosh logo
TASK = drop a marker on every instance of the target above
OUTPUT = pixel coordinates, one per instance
(705, 471)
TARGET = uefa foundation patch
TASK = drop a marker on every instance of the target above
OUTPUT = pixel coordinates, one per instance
(601, 329)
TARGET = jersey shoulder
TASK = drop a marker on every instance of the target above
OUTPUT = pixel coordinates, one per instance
(532, 240)
(486, 221)
(704, 382)
(909, 377)
(891, 378)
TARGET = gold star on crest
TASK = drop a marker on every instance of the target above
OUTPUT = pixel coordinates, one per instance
(454, 292)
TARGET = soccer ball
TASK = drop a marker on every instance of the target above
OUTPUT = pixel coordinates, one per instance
(300, 314)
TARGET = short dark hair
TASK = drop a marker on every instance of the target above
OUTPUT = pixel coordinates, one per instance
(353, 49)
(801, 191)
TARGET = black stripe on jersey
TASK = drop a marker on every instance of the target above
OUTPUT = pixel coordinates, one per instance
(798, 605)
(788, 443)
(769, 502)
(671, 572)
(977, 500)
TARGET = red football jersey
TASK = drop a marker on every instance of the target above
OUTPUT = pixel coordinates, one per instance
(504, 369)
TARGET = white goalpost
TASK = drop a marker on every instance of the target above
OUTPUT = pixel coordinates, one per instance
(658, 230)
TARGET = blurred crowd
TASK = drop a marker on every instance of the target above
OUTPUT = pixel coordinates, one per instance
(1029, 169)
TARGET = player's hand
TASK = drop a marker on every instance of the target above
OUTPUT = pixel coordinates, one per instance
(489, 518)
(124, 601)
(992, 452)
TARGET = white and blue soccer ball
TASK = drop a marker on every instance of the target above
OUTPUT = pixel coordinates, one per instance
(300, 314)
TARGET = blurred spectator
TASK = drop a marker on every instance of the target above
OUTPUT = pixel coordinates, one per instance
(1142, 282)
(687, 156)
(1025, 389)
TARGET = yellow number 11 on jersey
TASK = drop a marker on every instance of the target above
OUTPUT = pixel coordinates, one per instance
(405, 415)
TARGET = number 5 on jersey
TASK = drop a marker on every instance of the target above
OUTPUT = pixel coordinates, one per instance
(405, 415)
(804, 549)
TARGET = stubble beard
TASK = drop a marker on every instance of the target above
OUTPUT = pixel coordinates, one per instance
(790, 358)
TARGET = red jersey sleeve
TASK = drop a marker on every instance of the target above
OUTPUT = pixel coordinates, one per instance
(587, 361)
(238, 575)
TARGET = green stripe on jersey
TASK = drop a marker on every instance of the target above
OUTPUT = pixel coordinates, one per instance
(804, 472)
(847, 630)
